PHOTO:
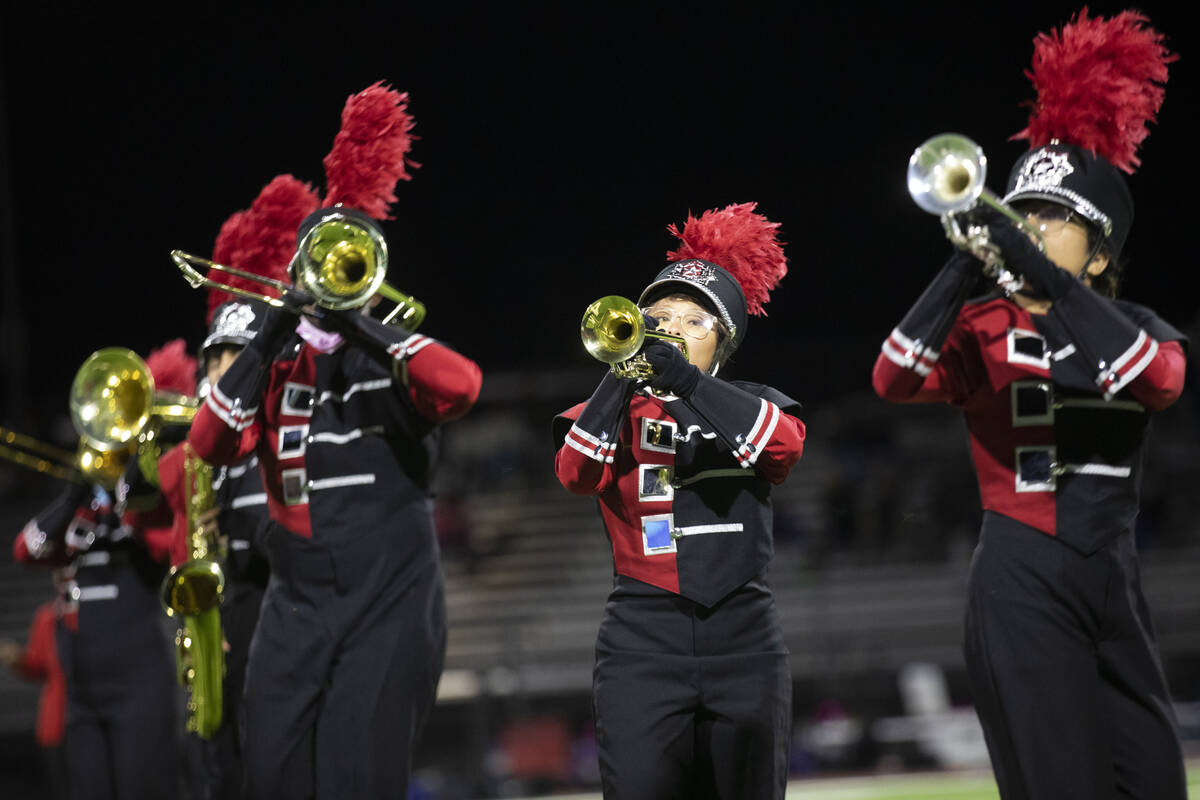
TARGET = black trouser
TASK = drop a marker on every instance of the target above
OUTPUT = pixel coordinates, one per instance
(692, 702)
(121, 732)
(1065, 671)
(343, 668)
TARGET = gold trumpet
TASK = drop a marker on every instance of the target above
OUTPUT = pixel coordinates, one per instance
(193, 591)
(613, 331)
(340, 262)
(946, 176)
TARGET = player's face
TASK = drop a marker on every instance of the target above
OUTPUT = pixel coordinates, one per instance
(1066, 241)
(680, 316)
(218, 361)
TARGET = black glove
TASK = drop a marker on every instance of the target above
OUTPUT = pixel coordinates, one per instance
(674, 373)
(965, 263)
(277, 328)
(1022, 256)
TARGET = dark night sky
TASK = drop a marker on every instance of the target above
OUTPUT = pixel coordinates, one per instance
(555, 146)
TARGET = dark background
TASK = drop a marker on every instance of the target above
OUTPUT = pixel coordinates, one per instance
(556, 147)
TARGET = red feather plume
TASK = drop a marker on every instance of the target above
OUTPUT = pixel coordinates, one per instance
(173, 369)
(741, 241)
(262, 238)
(1098, 83)
(370, 151)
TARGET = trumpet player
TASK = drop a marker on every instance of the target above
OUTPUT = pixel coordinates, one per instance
(120, 732)
(692, 688)
(1057, 381)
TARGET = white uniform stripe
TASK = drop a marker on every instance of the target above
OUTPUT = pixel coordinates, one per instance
(249, 500)
(1133, 350)
(900, 360)
(589, 452)
(355, 388)
(694, 530)
(105, 592)
(343, 438)
(233, 408)
(1135, 370)
(1098, 469)
(418, 347)
(908, 345)
(341, 481)
(223, 415)
(763, 411)
(761, 444)
(587, 437)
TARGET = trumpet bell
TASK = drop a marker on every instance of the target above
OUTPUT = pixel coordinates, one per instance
(947, 174)
(612, 329)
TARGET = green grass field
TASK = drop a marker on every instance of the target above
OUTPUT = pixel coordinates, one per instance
(973, 786)
(927, 786)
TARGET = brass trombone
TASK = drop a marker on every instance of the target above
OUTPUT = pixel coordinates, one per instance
(946, 176)
(40, 456)
(613, 331)
(340, 262)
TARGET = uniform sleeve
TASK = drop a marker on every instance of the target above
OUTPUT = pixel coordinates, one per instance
(38, 656)
(760, 434)
(588, 444)
(43, 539)
(171, 477)
(1117, 347)
(926, 358)
(227, 428)
(443, 385)
(1161, 382)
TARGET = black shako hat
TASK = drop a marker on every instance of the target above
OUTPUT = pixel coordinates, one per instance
(729, 259)
(712, 286)
(234, 323)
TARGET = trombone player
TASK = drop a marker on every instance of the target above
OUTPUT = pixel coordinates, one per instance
(343, 413)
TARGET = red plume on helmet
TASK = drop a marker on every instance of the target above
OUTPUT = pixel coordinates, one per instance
(1098, 83)
(370, 152)
(262, 238)
(741, 241)
(369, 155)
(172, 368)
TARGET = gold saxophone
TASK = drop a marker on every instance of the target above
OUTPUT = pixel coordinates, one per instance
(193, 591)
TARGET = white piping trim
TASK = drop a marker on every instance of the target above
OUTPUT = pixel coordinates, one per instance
(364, 386)
(248, 500)
(341, 481)
(85, 594)
(1106, 470)
(695, 530)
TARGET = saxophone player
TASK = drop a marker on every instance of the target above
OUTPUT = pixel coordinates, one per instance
(236, 523)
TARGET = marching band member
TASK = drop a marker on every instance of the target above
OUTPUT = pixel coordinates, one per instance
(692, 688)
(120, 736)
(38, 661)
(1057, 382)
(238, 522)
(343, 413)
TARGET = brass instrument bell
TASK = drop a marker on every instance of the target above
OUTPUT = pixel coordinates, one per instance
(613, 331)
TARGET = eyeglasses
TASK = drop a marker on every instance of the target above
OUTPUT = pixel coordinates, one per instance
(1052, 215)
(693, 324)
